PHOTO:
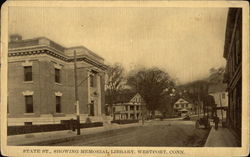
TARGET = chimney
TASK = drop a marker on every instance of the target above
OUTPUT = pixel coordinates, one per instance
(15, 37)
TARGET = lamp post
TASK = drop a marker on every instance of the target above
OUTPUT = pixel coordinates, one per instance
(76, 92)
(171, 97)
(76, 97)
(142, 112)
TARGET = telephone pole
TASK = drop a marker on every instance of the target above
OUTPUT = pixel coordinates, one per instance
(76, 97)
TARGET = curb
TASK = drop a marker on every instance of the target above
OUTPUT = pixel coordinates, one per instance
(209, 136)
(72, 138)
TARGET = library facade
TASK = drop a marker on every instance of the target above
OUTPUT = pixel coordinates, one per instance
(41, 82)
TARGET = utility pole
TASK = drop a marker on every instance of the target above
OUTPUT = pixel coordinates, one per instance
(221, 108)
(199, 108)
(142, 114)
(76, 98)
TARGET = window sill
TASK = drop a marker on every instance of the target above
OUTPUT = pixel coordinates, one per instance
(29, 113)
(28, 82)
(60, 84)
(59, 115)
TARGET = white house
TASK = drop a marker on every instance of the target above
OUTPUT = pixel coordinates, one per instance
(129, 107)
(218, 91)
(183, 104)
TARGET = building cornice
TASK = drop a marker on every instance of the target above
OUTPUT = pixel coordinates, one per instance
(50, 51)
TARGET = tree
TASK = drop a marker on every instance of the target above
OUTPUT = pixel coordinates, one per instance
(197, 91)
(209, 104)
(115, 81)
(216, 75)
(150, 83)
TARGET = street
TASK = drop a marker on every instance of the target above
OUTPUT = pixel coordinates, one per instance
(154, 133)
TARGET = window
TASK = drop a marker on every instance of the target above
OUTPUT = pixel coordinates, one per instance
(182, 105)
(91, 80)
(58, 104)
(28, 73)
(137, 107)
(57, 75)
(27, 123)
(131, 107)
(177, 105)
(186, 105)
(29, 103)
(132, 116)
(223, 95)
(91, 109)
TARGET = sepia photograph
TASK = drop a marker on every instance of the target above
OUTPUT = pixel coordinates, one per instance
(126, 78)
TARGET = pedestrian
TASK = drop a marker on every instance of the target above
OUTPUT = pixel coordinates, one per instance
(216, 122)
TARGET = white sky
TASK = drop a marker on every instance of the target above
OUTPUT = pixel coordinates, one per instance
(186, 42)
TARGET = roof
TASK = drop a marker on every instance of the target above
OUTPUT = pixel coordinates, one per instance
(184, 98)
(121, 97)
(41, 42)
(124, 98)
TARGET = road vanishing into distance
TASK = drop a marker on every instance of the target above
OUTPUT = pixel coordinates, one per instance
(174, 133)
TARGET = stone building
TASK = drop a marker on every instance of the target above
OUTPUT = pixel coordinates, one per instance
(41, 82)
(233, 75)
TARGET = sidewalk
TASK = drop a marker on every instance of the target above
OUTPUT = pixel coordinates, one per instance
(222, 137)
(60, 136)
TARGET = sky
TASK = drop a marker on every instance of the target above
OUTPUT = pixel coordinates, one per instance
(185, 42)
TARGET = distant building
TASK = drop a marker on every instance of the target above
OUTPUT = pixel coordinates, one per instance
(182, 105)
(129, 106)
(218, 91)
(41, 82)
(233, 76)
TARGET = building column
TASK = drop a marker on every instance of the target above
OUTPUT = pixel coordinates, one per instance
(128, 112)
(99, 100)
(135, 114)
(89, 100)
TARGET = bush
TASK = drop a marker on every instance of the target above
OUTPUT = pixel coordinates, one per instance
(125, 121)
(88, 120)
